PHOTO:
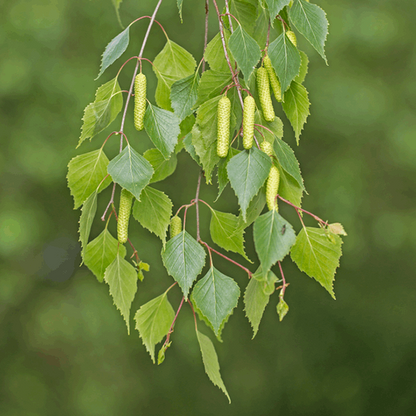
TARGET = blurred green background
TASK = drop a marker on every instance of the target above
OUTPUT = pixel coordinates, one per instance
(64, 346)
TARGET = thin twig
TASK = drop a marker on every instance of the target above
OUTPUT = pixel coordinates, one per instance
(173, 323)
(206, 32)
(283, 280)
(198, 235)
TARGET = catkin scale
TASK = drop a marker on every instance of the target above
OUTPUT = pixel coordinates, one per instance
(274, 82)
(292, 37)
(140, 87)
(126, 200)
(248, 121)
(263, 87)
(175, 226)
(272, 187)
(267, 148)
(223, 126)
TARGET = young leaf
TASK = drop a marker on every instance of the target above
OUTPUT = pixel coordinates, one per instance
(88, 212)
(272, 129)
(288, 161)
(103, 111)
(121, 276)
(225, 232)
(85, 173)
(179, 2)
(162, 167)
(211, 84)
(190, 148)
(101, 252)
(282, 309)
(296, 107)
(184, 94)
(273, 238)
(210, 360)
(116, 4)
(289, 188)
(131, 171)
(303, 68)
(275, 6)
(318, 256)
(285, 59)
(163, 129)
(114, 49)
(215, 296)
(184, 259)
(247, 172)
(214, 53)
(172, 64)
(337, 228)
(153, 321)
(310, 20)
(245, 51)
(153, 211)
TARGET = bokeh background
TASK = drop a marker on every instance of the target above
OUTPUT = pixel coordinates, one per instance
(64, 346)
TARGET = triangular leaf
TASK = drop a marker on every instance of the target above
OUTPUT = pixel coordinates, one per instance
(184, 94)
(211, 84)
(275, 6)
(289, 188)
(88, 212)
(245, 11)
(214, 53)
(162, 167)
(222, 170)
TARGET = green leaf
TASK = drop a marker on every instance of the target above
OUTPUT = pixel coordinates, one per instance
(273, 238)
(282, 309)
(337, 228)
(270, 129)
(245, 12)
(101, 252)
(211, 85)
(318, 256)
(153, 211)
(114, 50)
(162, 167)
(304, 62)
(288, 161)
(285, 59)
(189, 147)
(163, 129)
(184, 259)
(210, 360)
(222, 171)
(214, 53)
(184, 94)
(296, 107)
(85, 173)
(268, 280)
(245, 51)
(253, 211)
(131, 171)
(121, 276)
(247, 172)
(103, 111)
(289, 188)
(153, 321)
(215, 296)
(310, 20)
(179, 2)
(275, 6)
(88, 212)
(226, 233)
(116, 4)
(171, 64)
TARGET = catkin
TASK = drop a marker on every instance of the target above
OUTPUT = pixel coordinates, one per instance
(292, 37)
(175, 226)
(263, 87)
(126, 200)
(223, 126)
(274, 82)
(248, 121)
(272, 187)
(140, 87)
(267, 148)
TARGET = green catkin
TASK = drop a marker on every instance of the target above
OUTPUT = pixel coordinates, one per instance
(272, 187)
(140, 86)
(223, 126)
(274, 82)
(267, 148)
(248, 121)
(175, 226)
(263, 87)
(126, 200)
(292, 37)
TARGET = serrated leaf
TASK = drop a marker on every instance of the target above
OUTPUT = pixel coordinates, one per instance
(254, 209)
(211, 85)
(310, 20)
(275, 6)
(296, 107)
(85, 173)
(163, 129)
(184, 259)
(216, 295)
(245, 51)
(153, 321)
(162, 167)
(282, 309)
(153, 211)
(247, 172)
(317, 256)
(222, 171)
(273, 238)
(245, 11)
(189, 147)
(268, 280)
(121, 276)
(288, 161)
(171, 64)
(304, 62)
(214, 53)
(88, 211)
(114, 50)
(184, 94)
(131, 171)
(103, 111)
(270, 129)
(226, 233)
(210, 360)
(179, 3)
(289, 188)
(285, 59)
(101, 252)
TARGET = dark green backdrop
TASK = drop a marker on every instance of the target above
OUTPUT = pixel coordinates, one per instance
(64, 346)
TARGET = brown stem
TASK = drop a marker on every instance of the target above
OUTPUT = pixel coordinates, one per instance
(173, 323)
(283, 280)
(198, 235)
(206, 32)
